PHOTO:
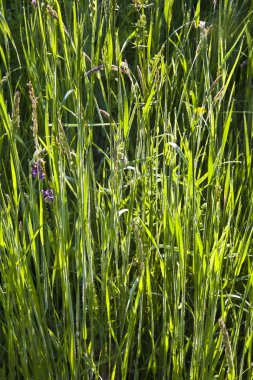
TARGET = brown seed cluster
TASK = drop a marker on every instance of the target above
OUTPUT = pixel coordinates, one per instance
(34, 102)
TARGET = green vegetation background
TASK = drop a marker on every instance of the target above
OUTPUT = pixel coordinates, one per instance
(135, 119)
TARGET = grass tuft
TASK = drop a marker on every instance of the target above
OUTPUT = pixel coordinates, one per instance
(126, 190)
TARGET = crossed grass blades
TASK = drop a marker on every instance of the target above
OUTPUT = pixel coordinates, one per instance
(126, 189)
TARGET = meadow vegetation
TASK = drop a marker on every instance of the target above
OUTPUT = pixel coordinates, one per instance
(126, 208)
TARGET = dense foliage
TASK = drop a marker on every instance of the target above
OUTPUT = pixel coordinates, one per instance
(126, 205)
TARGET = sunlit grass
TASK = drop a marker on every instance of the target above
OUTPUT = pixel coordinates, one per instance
(129, 254)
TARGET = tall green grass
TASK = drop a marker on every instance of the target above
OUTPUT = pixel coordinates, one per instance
(140, 116)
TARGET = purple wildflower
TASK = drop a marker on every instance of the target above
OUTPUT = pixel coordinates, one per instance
(48, 195)
(38, 171)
